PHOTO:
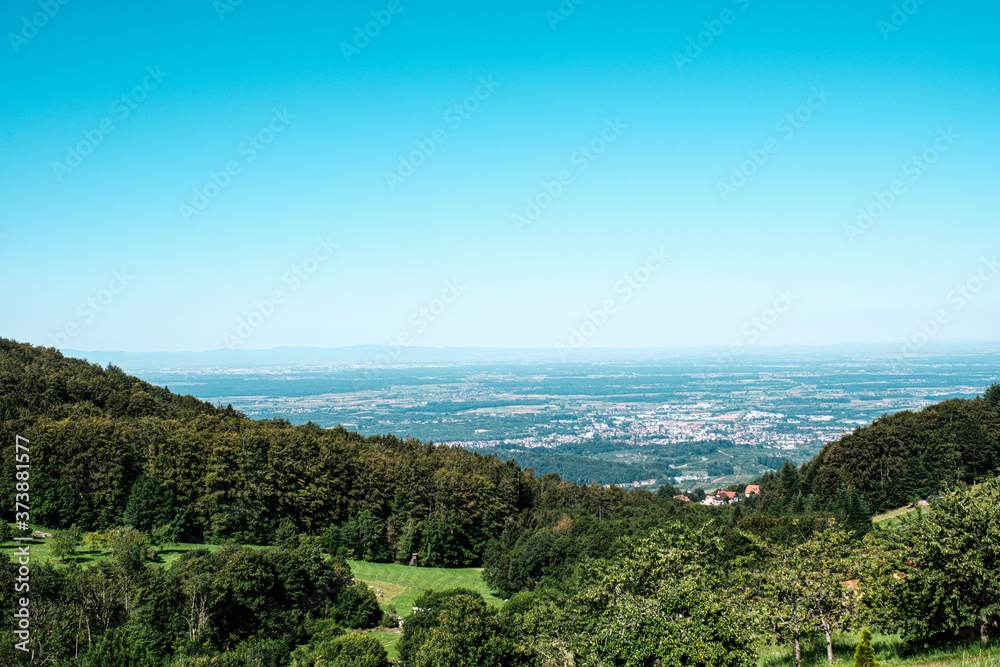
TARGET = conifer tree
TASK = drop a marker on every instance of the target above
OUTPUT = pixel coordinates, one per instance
(992, 396)
(864, 655)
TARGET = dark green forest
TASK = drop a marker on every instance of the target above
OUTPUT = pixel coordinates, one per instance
(591, 573)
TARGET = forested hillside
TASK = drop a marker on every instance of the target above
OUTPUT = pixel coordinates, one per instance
(907, 456)
(595, 576)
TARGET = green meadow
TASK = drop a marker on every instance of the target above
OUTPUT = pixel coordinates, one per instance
(402, 585)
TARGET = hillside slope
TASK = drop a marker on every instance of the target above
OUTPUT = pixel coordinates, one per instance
(911, 455)
(108, 449)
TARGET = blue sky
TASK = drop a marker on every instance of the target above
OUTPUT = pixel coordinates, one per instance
(439, 257)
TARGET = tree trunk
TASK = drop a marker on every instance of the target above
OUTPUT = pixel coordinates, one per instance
(798, 653)
(829, 645)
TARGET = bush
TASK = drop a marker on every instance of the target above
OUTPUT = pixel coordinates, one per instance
(390, 619)
(357, 607)
(353, 650)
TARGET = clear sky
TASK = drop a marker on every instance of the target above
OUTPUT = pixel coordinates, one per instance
(499, 175)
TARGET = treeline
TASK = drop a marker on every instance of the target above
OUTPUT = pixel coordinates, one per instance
(582, 469)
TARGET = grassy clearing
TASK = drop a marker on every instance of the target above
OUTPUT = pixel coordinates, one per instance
(890, 651)
(385, 591)
(896, 515)
(879, 518)
(405, 584)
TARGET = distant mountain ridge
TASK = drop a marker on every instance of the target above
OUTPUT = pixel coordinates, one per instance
(384, 355)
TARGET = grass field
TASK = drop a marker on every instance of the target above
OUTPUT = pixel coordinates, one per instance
(896, 515)
(402, 585)
(888, 649)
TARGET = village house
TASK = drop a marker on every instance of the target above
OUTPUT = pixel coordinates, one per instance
(723, 497)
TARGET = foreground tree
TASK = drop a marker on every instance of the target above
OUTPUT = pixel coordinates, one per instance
(784, 598)
(351, 650)
(469, 634)
(943, 574)
(830, 583)
(664, 602)
(803, 588)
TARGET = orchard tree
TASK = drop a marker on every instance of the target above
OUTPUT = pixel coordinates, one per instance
(65, 542)
(785, 599)
(664, 599)
(804, 588)
(944, 573)
(830, 582)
